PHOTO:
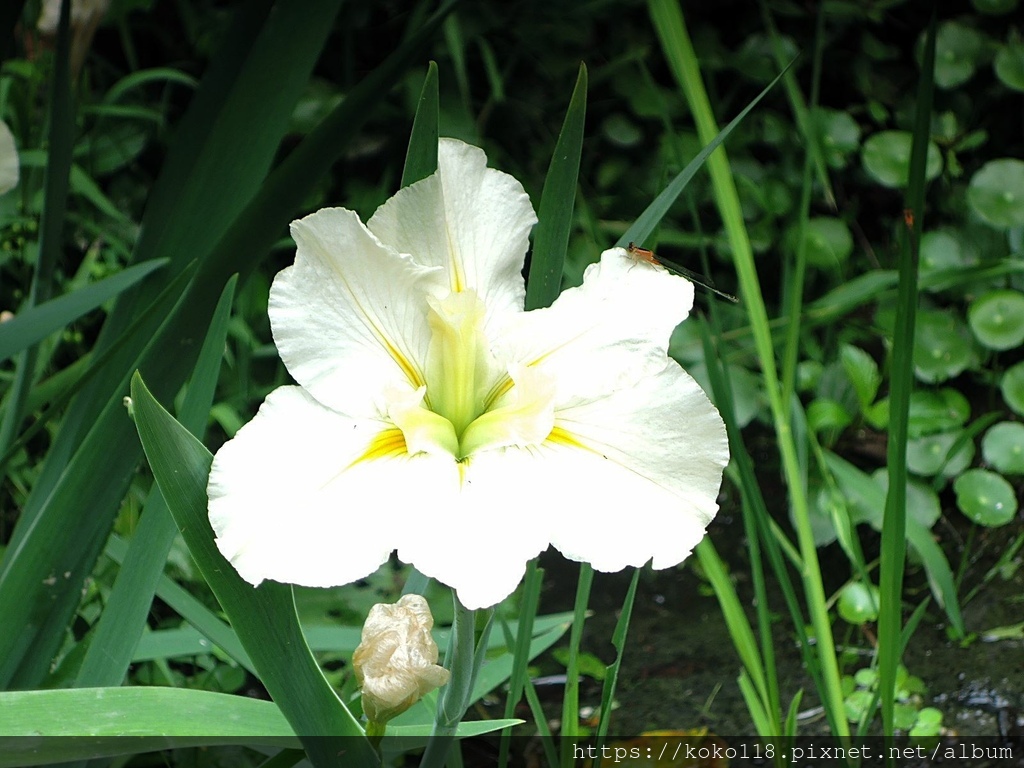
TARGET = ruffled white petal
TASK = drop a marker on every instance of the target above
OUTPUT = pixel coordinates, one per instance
(349, 317)
(469, 219)
(606, 335)
(479, 528)
(9, 164)
(287, 504)
(648, 461)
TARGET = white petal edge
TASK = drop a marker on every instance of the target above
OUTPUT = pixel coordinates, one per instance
(469, 219)
(10, 167)
(349, 316)
(606, 335)
(477, 535)
(645, 481)
(284, 507)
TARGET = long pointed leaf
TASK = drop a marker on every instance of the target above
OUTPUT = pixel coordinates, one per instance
(124, 617)
(263, 617)
(551, 236)
(421, 157)
(38, 322)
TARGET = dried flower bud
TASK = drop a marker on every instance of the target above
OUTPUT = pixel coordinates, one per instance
(396, 661)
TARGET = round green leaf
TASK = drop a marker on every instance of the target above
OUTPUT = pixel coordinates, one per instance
(997, 319)
(996, 193)
(959, 50)
(856, 704)
(886, 158)
(994, 7)
(929, 716)
(942, 346)
(1012, 387)
(985, 497)
(940, 251)
(620, 130)
(926, 456)
(858, 604)
(1009, 66)
(1003, 447)
(828, 242)
(922, 501)
(838, 133)
(938, 410)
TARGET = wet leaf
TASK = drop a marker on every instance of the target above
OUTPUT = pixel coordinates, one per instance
(922, 502)
(862, 371)
(1012, 387)
(827, 241)
(996, 193)
(1003, 447)
(927, 456)
(886, 158)
(959, 50)
(994, 7)
(940, 251)
(838, 133)
(997, 319)
(1009, 66)
(943, 347)
(858, 603)
(985, 497)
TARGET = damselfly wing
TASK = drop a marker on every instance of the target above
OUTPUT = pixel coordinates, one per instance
(646, 255)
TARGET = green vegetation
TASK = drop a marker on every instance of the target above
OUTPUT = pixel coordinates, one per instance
(864, 199)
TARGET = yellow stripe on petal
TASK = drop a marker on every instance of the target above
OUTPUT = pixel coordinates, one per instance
(387, 444)
(561, 436)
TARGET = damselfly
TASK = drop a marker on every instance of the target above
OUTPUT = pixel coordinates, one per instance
(643, 254)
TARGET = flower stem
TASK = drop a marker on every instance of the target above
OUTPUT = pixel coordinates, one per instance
(455, 696)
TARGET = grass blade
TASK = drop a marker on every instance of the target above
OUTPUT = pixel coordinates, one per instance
(571, 700)
(611, 677)
(682, 60)
(74, 540)
(901, 377)
(124, 617)
(551, 235)
(51, 228)
(421, 157)
(647, 221)
(263, 617)
(38, 322)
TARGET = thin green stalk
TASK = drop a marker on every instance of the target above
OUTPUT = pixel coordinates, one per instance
(571, 700)
(519, 646)
(767, 723)
(611, 677)
(671, 29)
(894, 524)
(764, 624)
(51, 230)
(795, 294)
(451, 705)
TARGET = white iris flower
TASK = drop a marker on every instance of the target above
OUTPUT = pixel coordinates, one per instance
(434, 416)
(9, 163)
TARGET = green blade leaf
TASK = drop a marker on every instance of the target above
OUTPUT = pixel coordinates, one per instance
(263, 617)
(69, 542)
(38, 322)
(551, 236)
(209, 176)
(140, 711)
(421, 157)
(124, 617)
(895, 526)
(647, 221)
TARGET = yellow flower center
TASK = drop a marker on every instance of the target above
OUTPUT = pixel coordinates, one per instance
(469, 404)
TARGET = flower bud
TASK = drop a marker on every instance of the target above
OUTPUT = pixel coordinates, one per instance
(396, 661)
